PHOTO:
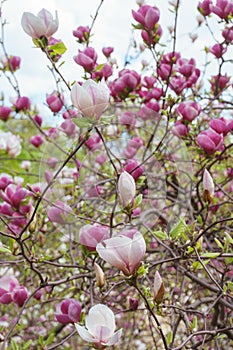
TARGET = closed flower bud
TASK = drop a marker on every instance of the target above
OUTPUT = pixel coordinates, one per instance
(158, 288)
(208, 186)
(5, 113)
(100, 277)
(55, 101)
(126, 188)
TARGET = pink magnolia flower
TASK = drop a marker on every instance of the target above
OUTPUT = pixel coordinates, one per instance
(210, 141)
(129, 152)
(189, 110)
(186, 67)
(122, 252)
(204, 7)
(101, 159)
(222, 9)
(104, 72)
(36, 140)
(5, 180)
(126, 188)
(227, 33)
(7, 284)
(68, 311)
(93, 142)
(82, 33)
(164, 70)
(14, 195)
(52, 162)
(99, 327)
(155, 93)
(90, 98)
(149, 81)
(222, 125)
(19, 295)
(127, 82)
(135, 142)
(41, 25)
(59, 212)
(14, 63)
(219, 83)
(152, 38)
(179, 129)
(218, 50)
(147, 16)
(38, 119)
(134, 164)
(91, 235)
(55, 101)
(70, 113)
(22, 104)
(128, 119)
(5, 113)
(149, 111)
(69, 128)
(107, 51)
(10, 62)
(86, 58)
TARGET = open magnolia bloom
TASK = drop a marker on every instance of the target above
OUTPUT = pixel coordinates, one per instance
(99, 327)
(41, 25)
(123, 252)
(90, 98)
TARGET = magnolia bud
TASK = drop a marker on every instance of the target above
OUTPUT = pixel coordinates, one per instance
(100, 277)
(208, 186)
(126, 188)
(158, 288)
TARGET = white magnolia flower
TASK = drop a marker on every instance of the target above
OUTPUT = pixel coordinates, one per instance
(99, 327)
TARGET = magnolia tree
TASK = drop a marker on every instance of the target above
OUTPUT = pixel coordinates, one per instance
(116, 223)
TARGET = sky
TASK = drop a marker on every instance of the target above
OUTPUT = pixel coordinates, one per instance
(113, 27)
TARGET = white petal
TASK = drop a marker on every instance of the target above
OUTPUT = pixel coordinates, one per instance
(115, 338)
(84, 333)
(137, 252)
(100, 315)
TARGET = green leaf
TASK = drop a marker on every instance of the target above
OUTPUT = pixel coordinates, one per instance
(229, 238)
(198, 266)
(160, 234)
(83, 122)
(194, 323)
(219, 244)
(210, 255)
(169, 337)
(178, 229)
(5, 250)
(99, 67)
(190, 250)
(58, 48)
(142, 270)
(27, 345)
(230, 286)
(14, 345)
(106, 119)
(137, 201)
